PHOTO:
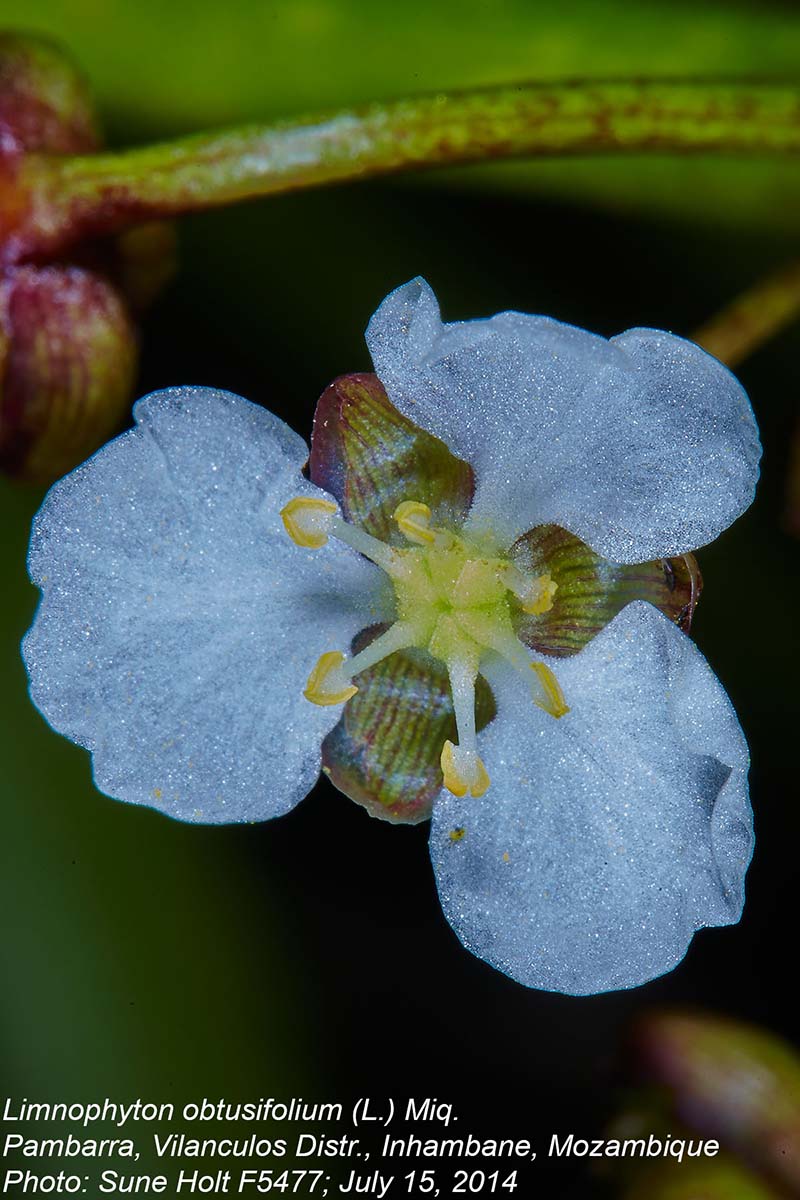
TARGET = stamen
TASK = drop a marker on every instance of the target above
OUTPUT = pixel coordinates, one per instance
(399, 636)
(534, 592)
(495, 633)
(327, 684)
(462, 688)
(463, 772)
(546, 691)
(551, 697)
(330, 681)
(414, 519)
(540, 599)
(462, 768)
(373, 549)
(308, 521)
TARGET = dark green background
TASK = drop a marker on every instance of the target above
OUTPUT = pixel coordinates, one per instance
(308, 956)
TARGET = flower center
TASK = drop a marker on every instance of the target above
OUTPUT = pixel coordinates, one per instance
(455, 598)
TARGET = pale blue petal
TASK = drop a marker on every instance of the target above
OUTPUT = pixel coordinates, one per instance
(644, 446)
(179, 623)
(607, 837)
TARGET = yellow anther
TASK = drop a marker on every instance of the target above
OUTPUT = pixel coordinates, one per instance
(452, 780)
(540, 597)
(463, 772)
(414, 521)
(307, 521)
(534, 592)
(323, 687)
(482, 780)
(551, 697)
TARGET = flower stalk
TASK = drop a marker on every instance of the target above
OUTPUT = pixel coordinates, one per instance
(84, 216)
(53, 201)
(754, 317)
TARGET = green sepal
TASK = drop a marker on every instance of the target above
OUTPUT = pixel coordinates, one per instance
(591, 590)
(371, 458)
(385, 751)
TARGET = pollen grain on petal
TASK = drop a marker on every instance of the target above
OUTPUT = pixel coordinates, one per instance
(549, 695)
(327, 684)
(308, 520)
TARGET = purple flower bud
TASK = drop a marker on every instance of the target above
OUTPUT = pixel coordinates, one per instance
(68, 352)
(68, 344)
(44, 101)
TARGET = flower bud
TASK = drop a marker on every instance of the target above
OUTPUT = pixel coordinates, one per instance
(68, 353)
(44, 101)
(732, 1082)
(68, 345)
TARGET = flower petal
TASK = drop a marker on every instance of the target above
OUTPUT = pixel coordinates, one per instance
(386, 751)
(372, 458)
(643, 446)
(609, 836)
(591, 591)
(179, 623)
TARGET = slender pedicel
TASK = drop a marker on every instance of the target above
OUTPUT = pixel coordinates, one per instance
(453, 600)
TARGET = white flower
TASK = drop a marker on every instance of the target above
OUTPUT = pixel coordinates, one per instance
(601, 817)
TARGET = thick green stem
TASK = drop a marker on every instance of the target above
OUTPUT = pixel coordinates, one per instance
(68, 198)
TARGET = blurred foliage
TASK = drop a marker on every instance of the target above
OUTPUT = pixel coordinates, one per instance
(702, 1076)
(192, 63)
(719, 1179)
